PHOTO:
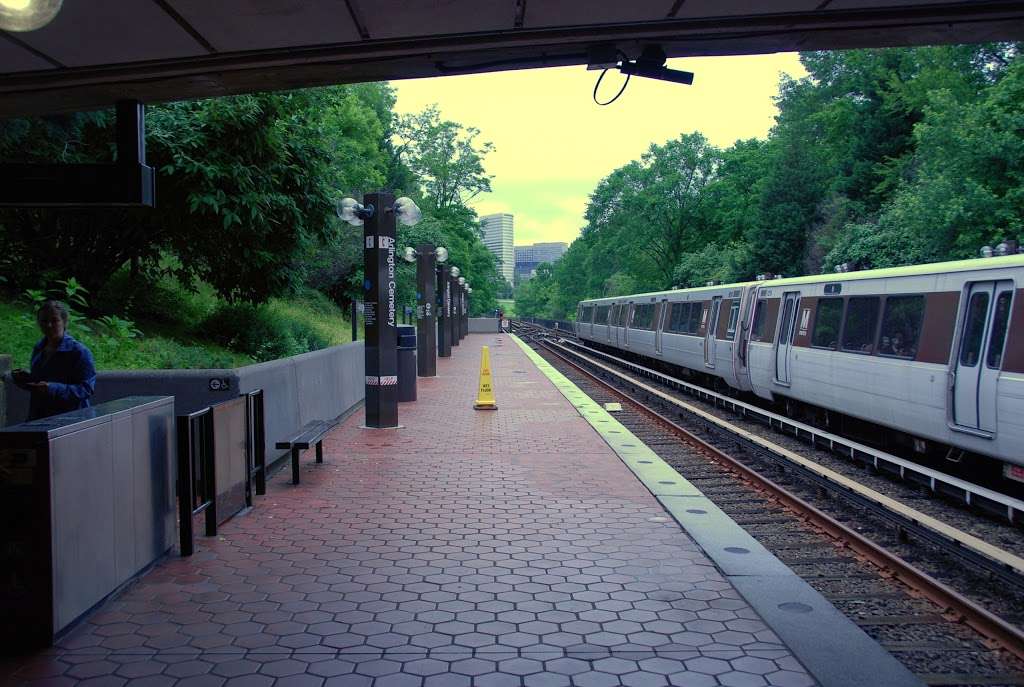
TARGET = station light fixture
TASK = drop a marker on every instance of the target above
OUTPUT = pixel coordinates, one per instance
(27, 15)
(410, 253)
(456, 271)
(406, 211)
(352, 211)
(462, 281)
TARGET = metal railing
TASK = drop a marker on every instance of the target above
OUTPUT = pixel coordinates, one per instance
(197, 479)
(197, 466)
(256, 445)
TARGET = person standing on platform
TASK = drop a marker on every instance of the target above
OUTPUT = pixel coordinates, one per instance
(501, 317)
(62, 376)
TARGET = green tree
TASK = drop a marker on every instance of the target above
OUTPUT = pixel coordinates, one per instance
(445, 157)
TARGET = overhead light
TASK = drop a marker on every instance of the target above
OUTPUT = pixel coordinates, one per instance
(462, 281)
(986, 251)
(407, 212)
(455, 271)
(1001, 248)
(442, 253)
(27, 15)
(409, 254)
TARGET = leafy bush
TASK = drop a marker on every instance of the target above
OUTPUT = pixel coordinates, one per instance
(264, 332)
(162, 300)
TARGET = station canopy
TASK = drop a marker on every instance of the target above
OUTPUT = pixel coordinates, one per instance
(99, 51)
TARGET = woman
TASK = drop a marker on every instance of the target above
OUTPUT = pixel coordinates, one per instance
(62, 376)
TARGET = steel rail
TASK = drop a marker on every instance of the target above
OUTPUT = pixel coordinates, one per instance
(983, 621)
(1002, 564)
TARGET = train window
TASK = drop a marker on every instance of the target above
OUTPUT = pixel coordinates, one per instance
(901, 326)
(601, 314)
(734, 315)
(696, 317)
(787, 323)
(974, 329)
(586, 313)
(643, 316)
(678, 316)
(826, 323)
(861, 319)
(997, 339)
(624, 314)
(760, 318)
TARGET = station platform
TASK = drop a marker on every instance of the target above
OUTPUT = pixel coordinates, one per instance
(511, 547)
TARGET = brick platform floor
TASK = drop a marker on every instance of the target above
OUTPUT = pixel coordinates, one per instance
(485, 548)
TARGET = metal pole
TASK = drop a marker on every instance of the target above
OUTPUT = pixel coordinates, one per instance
(426, 312)
(444, 304)
(453, 320)
(355, 316)
(465, 311)
(379, 315)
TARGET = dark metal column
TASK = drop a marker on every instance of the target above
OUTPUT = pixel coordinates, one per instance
(465, 310)
(444, 304)
(462, 311)
(426, 318)
(379, 312)
(453, 299)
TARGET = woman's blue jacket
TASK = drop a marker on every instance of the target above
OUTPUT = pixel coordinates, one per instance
(70, 375)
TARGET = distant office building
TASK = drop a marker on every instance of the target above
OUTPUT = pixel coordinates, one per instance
(498, 239)
(529, 257)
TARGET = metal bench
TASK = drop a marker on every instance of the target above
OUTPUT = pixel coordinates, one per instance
(312, 434)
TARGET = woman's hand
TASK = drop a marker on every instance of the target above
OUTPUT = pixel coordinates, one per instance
(37, 387)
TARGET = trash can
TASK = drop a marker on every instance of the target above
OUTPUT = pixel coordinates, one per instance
(406, 362)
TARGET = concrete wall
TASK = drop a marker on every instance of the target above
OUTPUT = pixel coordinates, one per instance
(318, 385)
(483, 325)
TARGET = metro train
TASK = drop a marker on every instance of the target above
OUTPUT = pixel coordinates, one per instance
(934, 353)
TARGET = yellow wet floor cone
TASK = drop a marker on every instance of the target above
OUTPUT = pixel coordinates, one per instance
(485, 394)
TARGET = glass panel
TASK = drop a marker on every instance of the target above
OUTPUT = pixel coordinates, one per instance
(974, 329)
(601, 317)
(826, 323)
(901, 326)
(702, 313)
(643, 316)
(861, 319)
(757, 330)
(696, 312)
(675, 313)
(734, 315)
(997, 339)
(787, 322)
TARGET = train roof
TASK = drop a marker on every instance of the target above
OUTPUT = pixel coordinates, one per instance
(885, 273)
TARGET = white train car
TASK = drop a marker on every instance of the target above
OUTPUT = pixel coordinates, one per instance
(935, 352)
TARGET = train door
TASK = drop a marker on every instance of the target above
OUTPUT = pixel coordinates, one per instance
(709, 334)
(982, 338)
(627, 320)
(660, 316)
(784, 340)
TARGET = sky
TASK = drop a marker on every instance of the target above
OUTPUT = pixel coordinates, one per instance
(553, 144)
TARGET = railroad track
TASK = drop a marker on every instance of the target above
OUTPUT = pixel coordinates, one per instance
(864, 554)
